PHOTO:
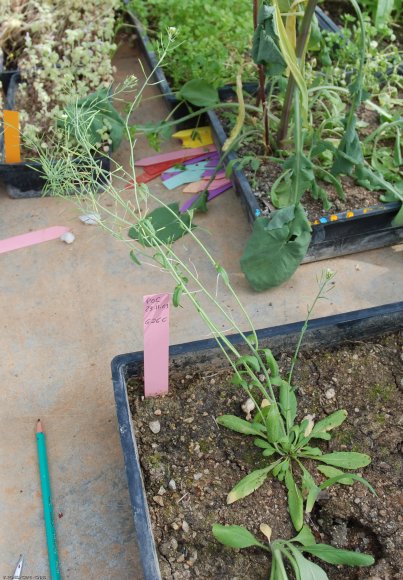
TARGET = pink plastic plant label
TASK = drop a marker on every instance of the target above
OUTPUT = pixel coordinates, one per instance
(156, 344)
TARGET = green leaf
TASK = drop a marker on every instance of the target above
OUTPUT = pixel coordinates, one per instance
(265, 48)
(274, 424)
(234, 536)
(312, 497)
(308, 570)
(271, 362)
(288, 402)
(349, 152)
(200, 93)
(383, 12)
(329, 423)
(297, 178)
(305, 537)
(346, 459)
(329, 471)
(177, 295)
(346, 477)
(295, 503)
(200, 203)
(135, 258)
(264, 445)
(336, 556)
(271, 256)
(312, 451)
(220, 270)
(249, 484)
(167, 226)
(249, 360)
(240, 425)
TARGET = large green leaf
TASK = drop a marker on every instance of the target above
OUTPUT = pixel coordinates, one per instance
(265, 47)
(295, 503)
(383, 12)
(346, 459)
(249, 484)
(240, 425)
(330, 471)
(329, 423)
(166, 224)
(288, 402)
(200, 93)
(274, 424)
(234, 536)
(272, 254)
(338, 556)
(349, 152)
(307, 569)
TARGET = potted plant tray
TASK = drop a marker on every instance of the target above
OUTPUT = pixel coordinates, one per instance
(334, 235)
(203, 356)
(26, 179)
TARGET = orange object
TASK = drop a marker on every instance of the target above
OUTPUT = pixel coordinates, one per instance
(12, 145)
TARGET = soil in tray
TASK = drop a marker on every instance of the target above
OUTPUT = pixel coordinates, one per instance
(262, 180)
(191, 464)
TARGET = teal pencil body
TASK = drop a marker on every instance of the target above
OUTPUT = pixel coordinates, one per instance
(47, 507)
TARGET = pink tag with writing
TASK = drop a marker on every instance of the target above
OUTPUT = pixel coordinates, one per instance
(156, 344)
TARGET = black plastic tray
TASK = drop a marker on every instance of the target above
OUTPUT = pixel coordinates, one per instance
(321, 333)
(335, 235)
(26, 179)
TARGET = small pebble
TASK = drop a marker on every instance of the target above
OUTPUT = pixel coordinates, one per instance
(330, 394)
(155, 426)
(185, 526)
(175, 526)
(357, 500)
(197, 476)
(68, 237)
(90, 219)
(157, 412)
(357, 410)
(172, 485)
(162, 490)
(158, 499)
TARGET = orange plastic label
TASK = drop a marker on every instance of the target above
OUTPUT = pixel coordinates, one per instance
(12, 146)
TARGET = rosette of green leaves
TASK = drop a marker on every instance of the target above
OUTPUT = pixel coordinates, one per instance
(292, 551)
(289, 446)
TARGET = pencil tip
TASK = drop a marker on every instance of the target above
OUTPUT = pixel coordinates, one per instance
(39, 426)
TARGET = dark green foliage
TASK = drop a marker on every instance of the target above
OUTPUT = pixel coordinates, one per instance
(265, 48)
(276, 247)
(165, 223)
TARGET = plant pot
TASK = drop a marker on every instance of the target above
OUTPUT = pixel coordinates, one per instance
(202, 355)
(26, 179)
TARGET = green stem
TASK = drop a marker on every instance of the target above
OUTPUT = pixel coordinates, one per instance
(302, 42)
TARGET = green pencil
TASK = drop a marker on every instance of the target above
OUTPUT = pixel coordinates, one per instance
(47, 503)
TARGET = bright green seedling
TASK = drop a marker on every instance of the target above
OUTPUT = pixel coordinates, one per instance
(292, 551)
